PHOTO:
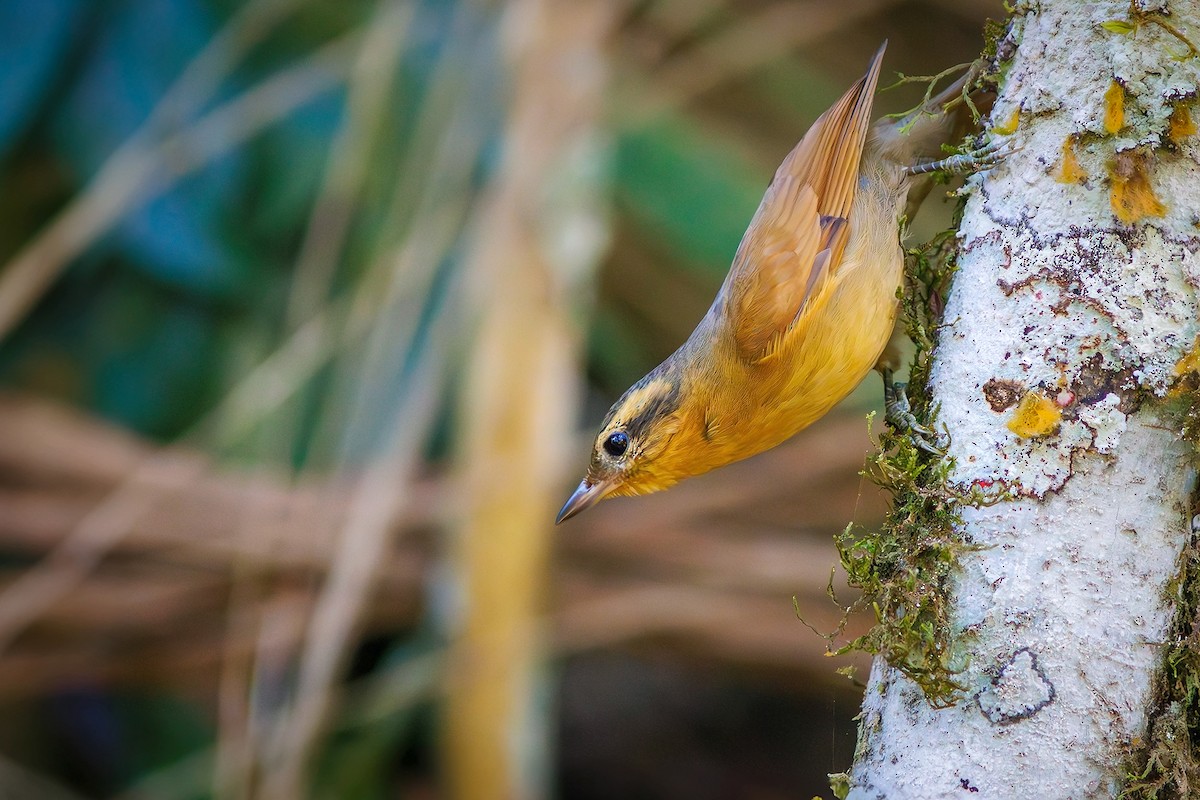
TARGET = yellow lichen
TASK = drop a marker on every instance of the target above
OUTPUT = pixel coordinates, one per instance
(1114, 107)
(1190, 361)
(1069, 169)
(1009, 126)
(1181, 124)
(1131, 195)
(1036, 415)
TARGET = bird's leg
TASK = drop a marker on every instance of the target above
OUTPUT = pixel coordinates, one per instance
(985, 157)
(898, 414)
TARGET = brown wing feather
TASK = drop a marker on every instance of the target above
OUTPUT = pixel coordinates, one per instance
(832, 241)
(828, 156)
(800, 229)
(771, 273)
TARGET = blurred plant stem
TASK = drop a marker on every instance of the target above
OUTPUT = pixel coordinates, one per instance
(541, 231)
(147, 164)
(130, 176)
(245, 675)
(387, 306)
(338, 613)
(202, 78)
(414, 326)
(759, 38)
(160, 153)
(370, 91)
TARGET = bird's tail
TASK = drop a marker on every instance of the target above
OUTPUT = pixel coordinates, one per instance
(828, 156)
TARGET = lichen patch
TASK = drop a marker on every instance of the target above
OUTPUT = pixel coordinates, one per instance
(1180, 125)
(1036, 416)
(1069, 169)
(1131, 193)
(1002, 394)
(1009, 126)
(1114, 108)
(1017, 691)
(1106, 421)
(1070, 336)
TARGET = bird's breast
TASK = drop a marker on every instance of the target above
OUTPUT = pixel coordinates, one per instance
(839, 338)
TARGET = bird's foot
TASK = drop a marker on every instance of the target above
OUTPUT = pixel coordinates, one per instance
(984, 158)
(898, 414)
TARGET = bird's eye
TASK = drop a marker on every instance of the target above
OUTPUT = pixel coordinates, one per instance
(616, 444)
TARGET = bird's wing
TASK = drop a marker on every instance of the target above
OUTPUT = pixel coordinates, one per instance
(785, 253)
(800, 229)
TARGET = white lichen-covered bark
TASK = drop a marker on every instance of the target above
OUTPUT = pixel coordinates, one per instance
(1060, 604)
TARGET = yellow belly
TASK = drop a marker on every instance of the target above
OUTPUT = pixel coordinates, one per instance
(734, 409)
(838, 339)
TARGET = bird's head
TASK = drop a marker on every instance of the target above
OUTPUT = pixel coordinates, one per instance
(644, 445)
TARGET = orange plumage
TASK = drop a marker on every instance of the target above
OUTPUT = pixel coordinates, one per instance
(806, 311)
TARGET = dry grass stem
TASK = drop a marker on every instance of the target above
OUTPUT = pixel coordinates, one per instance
(369, 93)
(133, 175)
(746, 45)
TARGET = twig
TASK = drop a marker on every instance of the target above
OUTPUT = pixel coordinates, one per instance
(256, 395)
(351, 579)
(386, 295)
(106, 198)
(203, 75)
(39, 587)
(931, 81)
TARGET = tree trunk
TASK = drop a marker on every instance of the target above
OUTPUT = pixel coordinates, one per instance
(1061, 374)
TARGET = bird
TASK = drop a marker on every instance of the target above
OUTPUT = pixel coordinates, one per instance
(807, 310)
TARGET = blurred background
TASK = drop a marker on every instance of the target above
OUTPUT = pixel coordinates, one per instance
(308, 311)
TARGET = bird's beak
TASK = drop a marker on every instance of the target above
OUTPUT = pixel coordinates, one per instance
(585, 496)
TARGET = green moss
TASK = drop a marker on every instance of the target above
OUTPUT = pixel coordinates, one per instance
(904, 569)
(1166, 765)
(928, 272)
(1188, 393)
(839, 784)
(994, 31)
(914, 114)
(997, 55)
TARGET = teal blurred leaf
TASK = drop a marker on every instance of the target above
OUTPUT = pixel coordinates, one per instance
(155, 367)
(139, 49)
(688, 188)
(34, 38)
(291, 160)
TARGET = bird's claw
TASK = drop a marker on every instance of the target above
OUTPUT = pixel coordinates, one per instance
(898, 414)
(978, 160)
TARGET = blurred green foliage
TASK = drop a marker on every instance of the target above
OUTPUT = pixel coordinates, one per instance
(688, 188)
(159, 318)
(153, 324)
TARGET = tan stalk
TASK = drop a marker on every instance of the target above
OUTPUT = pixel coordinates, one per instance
(540, 234)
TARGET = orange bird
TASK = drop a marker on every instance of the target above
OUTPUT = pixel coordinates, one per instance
(808, 307)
